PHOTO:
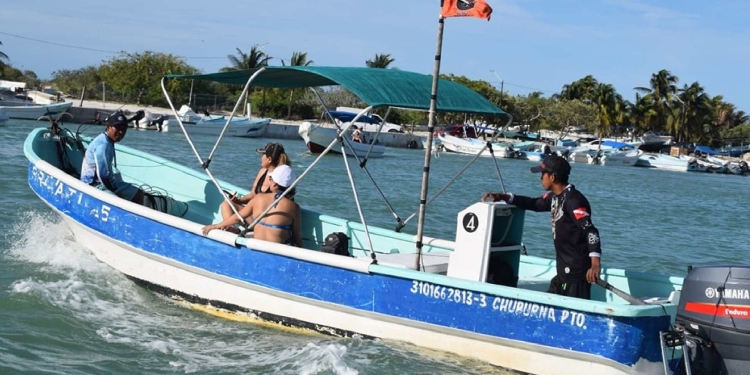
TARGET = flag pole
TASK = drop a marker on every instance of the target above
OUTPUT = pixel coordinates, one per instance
(428, 148)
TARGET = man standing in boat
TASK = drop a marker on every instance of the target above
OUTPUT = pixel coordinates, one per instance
(99, 161)
(577, 245)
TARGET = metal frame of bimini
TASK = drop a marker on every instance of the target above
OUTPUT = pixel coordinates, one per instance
(344, 143)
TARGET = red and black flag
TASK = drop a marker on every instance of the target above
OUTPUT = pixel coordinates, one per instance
(466, 8)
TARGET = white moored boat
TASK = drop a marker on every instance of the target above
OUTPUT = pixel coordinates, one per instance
(670, 163)
(213, 124)
(474, 146)
(317, 138)
(29, 111)
(626, 158)
(154, 121)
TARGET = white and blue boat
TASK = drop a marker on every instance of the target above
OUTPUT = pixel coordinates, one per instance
(445, 303)
(670, 163)
(209, 124)
(475, 146)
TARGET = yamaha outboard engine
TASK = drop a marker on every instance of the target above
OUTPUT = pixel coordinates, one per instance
(714, 319)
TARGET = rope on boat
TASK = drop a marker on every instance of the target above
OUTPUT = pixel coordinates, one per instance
(160, 200)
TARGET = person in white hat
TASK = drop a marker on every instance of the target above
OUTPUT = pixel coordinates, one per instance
(282, 223)
(271, 156)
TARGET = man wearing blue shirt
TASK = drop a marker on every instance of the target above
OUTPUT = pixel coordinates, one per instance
(99, 163)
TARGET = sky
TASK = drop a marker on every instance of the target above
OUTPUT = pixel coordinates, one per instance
(531, 45)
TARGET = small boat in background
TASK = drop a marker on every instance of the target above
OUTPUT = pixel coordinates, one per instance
(671, 163)
(213, 124)
(537, 153)
(615, 153)
(19, 103)
(626, 158)
(31, 111)
(317, 138)
(154, 121)
(473, 146)
(654, 142)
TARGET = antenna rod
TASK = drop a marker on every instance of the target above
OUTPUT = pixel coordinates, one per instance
(428, 151)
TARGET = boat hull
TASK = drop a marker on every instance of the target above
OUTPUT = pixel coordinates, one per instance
(520, 329)
(533, 155)
(670, 163)
(35, 111)
(317, 139)
(154, 121)
(621, 159)
(472, 146)
(244, 128)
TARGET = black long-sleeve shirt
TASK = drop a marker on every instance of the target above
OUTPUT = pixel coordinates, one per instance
(575, 236)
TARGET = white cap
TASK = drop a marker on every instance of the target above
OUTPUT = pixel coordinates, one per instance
(283, 175)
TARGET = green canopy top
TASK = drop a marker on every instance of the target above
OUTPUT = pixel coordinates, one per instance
(376, 87)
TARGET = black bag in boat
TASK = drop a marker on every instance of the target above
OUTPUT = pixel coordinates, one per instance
(501, 273)
(336, 243)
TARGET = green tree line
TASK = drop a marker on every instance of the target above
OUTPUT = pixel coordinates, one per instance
(686, 112)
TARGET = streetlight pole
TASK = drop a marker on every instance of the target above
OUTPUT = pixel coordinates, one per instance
(682, 125)
(501, 87)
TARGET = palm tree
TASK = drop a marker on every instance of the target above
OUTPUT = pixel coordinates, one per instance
(582, 89)
(255, 59)
(696, 109)
(298, 59)
(642, 112)
(726, 114)
(2, 57)
(380, 61)
(607, 102)
(663, 85)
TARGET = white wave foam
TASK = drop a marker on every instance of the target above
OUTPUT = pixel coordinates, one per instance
(45, 240)
(314, 359)
(116, 316)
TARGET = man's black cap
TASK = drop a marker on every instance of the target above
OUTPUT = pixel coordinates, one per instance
(553, 164)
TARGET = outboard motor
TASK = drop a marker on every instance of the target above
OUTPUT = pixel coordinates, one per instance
(743, 167)
(713, 319)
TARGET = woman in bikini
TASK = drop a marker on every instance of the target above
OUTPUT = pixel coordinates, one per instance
(272, 155)
(282, 223)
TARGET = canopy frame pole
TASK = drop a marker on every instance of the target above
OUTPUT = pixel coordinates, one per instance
(359, 205)
(399, 223)
(372, 144)
(205, 164)
(310, 167)
(231, 116)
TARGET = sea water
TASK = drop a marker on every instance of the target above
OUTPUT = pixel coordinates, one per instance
(63, 311)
